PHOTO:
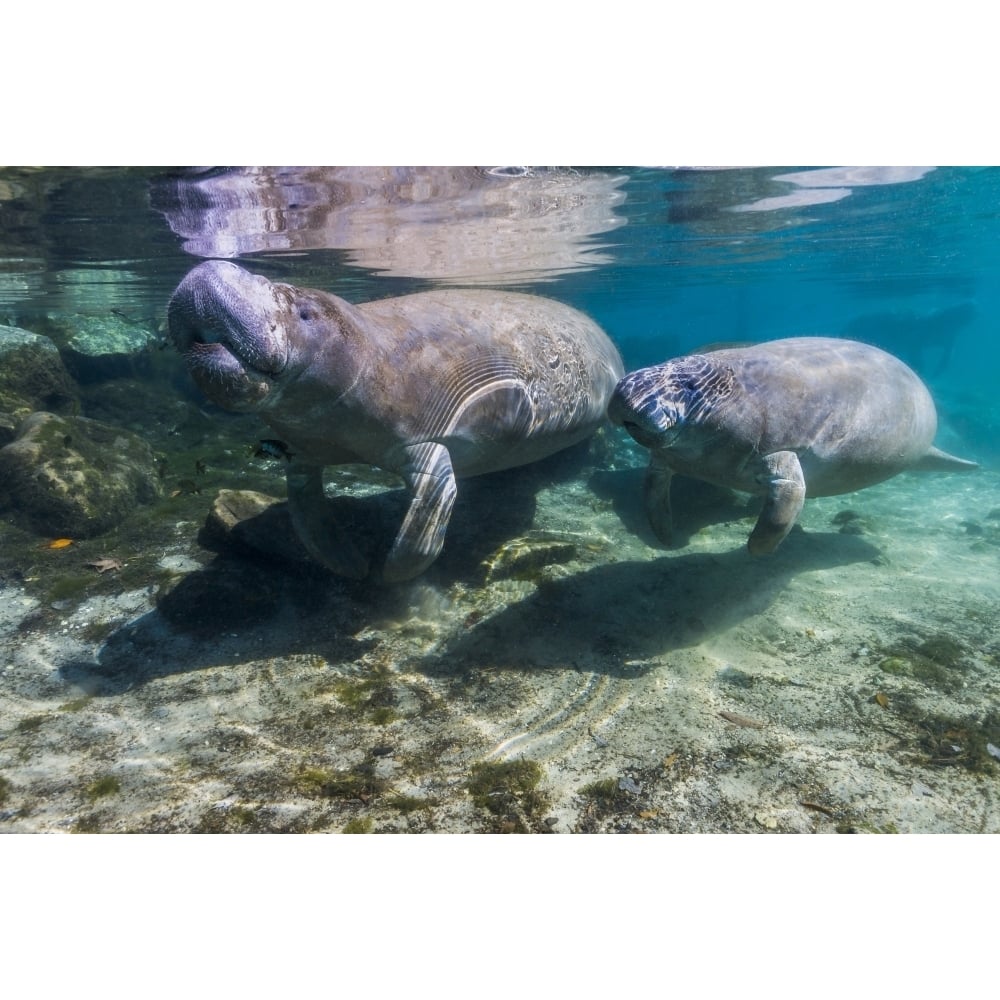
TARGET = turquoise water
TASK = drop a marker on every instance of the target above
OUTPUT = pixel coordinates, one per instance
(553, 629)
(663, 258)
(666, 260)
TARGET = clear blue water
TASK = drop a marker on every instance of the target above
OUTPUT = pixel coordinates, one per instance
(664, 259)
(623, 653)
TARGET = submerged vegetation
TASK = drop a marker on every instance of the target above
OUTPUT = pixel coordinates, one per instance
(361, 824)
(31, 723)
(940, 662)
(107, 784)
(509, 791)
(234, 687)
(370, 696)
(358, 783)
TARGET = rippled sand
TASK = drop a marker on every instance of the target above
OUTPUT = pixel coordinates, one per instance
(581, 680)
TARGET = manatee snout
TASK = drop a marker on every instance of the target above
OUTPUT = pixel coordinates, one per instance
(227, 324)
(219, 303)
(637, 405)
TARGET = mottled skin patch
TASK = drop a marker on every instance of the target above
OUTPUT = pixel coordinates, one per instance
(807, 416)
(434, 386)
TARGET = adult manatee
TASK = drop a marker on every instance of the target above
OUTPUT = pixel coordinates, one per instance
(434, 386)
(807, 416)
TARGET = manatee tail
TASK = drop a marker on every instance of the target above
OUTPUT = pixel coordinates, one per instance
(940, 461)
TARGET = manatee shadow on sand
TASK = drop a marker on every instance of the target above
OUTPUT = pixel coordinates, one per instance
(694, 504)
(249, 604)
(236, 609)
(609, 617)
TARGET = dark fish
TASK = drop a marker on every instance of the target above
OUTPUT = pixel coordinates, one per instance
(186, 486)
(270, 448)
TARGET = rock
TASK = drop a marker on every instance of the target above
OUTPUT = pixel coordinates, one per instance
(74, 477)
(32, 377)
(101, 347)
(525, 557)
(248, 521)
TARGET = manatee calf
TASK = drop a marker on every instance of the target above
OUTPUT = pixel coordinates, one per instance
(808, 416)
(432, 386)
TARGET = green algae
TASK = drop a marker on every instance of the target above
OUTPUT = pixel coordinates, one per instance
(605, 790)
(939, 662)
(362, 824)
(68, 587)
(410, 803)
(358, 783)
(231, 819)
(76, 705)
(243, 816)
(30, 723)
(509, 790)
(606, 796)
(371, 696)
(106, 785)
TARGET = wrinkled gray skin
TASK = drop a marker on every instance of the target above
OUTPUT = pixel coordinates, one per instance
(808, 416)
(431, 386)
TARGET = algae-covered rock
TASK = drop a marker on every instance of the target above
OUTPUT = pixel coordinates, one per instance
(101, 347)
(233, 507)
(32, 377)
(66, 475)
(525, 558)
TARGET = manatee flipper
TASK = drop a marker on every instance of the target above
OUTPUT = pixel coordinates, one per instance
(656, 498)
(325, 540)
(786, 494)
(431, 480)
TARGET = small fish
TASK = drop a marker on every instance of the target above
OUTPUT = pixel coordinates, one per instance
(161, 467)
(816, 807)
(104, 564)
(270, 448)
(881, 700)
(742, 720)
(200, 467)
(59, 543)
(671, 760)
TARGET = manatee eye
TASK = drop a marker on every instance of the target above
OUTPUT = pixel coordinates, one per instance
(305, 314)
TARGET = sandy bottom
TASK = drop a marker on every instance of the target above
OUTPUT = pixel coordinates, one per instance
(580, 680)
